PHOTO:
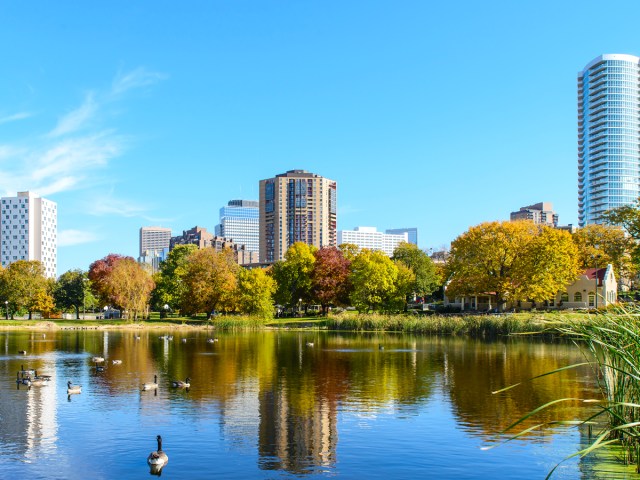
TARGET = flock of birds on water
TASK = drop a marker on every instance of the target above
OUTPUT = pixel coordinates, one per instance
(156, 459)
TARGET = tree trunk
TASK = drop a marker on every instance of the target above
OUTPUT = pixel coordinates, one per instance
(30, 315)
(77, 312)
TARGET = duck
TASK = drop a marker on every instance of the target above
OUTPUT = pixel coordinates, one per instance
(97, 359)
(151, 386)
(73, 388)
(181, 384)
(116, 362)
(158, 458)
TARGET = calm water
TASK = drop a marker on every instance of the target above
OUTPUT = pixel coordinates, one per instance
(266, 405)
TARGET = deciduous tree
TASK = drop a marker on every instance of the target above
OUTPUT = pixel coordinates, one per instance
(330, 284)
(98, 273)
(23, 284)
(170, 288)
(72, 290)
(209, 281)
(426, 279)
(293, 274)
(255, 293)
(373, 276)
(129, 286)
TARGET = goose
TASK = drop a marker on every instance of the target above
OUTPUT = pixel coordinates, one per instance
(151, 386)
(181, 384)
(97, 359)
(22, 352)
(99, 368)
(184, 340)
(34, 382)
(309, 344)
(380, 347)
(46, 378)
(212, 340)
(170, 337)
(28, 371)
(73, 388)
(158, 458)
(116, 362)
(18, 379)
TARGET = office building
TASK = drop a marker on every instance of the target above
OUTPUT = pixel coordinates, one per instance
(412, 233)
(371, 238)
(296, 206)
(608, 135)
(540, 213)
(239, 221)
(154, 240)
(30, 231)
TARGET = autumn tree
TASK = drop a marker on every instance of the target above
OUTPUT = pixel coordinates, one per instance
(404, 286)
(99, 272)
(255, 291)
(293, 274)
(209, 281)
(25, 287)
(170, 288)
(128, 285)
(373, 276)
(515, 260)
(426, 279)
(604, 244)
(330, 284)
(626, 216)
(72, 290)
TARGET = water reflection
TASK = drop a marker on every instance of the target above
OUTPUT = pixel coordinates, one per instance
(279, 394)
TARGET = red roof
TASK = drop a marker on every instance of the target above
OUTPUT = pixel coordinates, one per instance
(591, 273)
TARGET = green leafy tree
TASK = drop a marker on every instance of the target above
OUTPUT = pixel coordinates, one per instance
(404, 287)
(330, 283)
(73, 291)
(210, 282)
(515, 260)
(426, 278)
(255, 293)
(626, 216)
(170, 287)
(374, 277)
(24, 286)
(293, 274)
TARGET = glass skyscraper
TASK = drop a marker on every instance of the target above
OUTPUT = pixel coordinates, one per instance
(608, 135)
(239, 222)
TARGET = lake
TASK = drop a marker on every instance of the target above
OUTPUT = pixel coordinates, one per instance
(271, 405)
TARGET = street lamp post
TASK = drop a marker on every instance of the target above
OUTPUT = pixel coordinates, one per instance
(105, 312)
(6, 304)
(166, 310)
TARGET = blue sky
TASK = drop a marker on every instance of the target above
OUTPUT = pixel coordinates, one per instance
(438, 115)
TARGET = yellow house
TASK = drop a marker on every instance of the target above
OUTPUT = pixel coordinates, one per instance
(593, 288)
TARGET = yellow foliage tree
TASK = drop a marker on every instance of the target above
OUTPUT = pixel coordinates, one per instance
(129, 286)
(514, 260)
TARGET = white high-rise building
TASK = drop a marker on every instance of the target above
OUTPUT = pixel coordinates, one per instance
(29, 231)
(153, 240)
(371, 238)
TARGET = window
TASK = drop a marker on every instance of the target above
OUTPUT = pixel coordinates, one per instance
(564, 297)
(592, 299)
(577, 297)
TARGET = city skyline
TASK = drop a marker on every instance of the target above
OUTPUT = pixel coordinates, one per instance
(424, 114)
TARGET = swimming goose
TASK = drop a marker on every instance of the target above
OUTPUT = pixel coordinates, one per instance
(99, 368)
(28, 371)
(212, 340)
(184, 340)
(97, 359)
(158, 458)
(181, 384)
(309, 344)
(151, 386)
(34, 382)
(73, 388)
(46, 378)
(116, 362)
(22, 352)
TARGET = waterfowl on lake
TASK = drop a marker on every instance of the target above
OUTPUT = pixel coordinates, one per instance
(380, 347)
(22, 352)
(151, 386)
(170, 337)
(46, 378)
(34, 382)
(309, 344)
(116, 362)
(97, 359)
(99, 368)
(73, 388)
(181, 384)
(184, 340)
(212, 340)
(27, 371)
(159, 457)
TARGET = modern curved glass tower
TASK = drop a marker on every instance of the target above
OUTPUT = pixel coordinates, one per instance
(608, 135)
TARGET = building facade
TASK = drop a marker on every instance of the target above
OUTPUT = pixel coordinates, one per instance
(154, 240)
(296, 206)
(412, 233)
(540, 213)
(371, 238)
(239, 221)
(202, 238)
(608, 135)
(29, 231)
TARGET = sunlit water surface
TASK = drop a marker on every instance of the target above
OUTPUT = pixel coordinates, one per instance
(268, 405)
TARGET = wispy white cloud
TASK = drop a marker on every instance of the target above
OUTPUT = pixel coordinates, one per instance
(140, 77)
(348, 210)
(15, 117)
(78, 118)
(68, 238)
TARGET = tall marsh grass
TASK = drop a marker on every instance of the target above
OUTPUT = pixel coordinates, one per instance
(471, 325)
